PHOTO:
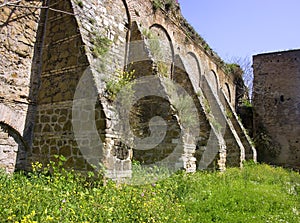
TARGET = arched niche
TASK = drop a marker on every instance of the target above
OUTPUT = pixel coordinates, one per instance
(193, 67)
(165, 53)
(212, 80)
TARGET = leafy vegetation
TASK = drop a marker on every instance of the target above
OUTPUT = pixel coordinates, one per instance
(101, 46)
(123, 79)
(232, 68)
(163, 4)
(157, 52)
(156, 4)
(169, 4)
(206, 47)
(247, 103)
(163, 69)
(256, 193)
(228, 113)
(154, 44)
(206, 105)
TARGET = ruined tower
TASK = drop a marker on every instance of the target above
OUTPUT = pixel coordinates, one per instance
(276, 100)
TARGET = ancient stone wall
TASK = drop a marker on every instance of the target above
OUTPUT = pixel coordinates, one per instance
(79, 47)
(18, 29)
(276, 102)
(69, 46)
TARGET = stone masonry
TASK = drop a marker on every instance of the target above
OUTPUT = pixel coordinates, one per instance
(18, 31)
(54, 92)
(276, 99)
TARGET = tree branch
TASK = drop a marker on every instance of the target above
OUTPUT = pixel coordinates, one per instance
(8, 3)
(57, 10)
(15, 4)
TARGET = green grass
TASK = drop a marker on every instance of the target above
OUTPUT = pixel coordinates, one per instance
(257, 193)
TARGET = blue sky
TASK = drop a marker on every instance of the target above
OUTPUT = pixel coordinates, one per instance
(242, 28)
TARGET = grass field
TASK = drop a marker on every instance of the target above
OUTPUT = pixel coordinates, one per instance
(256, 193)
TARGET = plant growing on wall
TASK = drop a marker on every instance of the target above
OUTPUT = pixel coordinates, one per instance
(156, 4)
(232, 68)
(154, 44)
(228, 113)
(215, 123)
(246, 103)
(156, 51)
(101, 46)
(163, 4)
(206, 47)
(147, 33)
(162, 69)
(183, 104)
(206, 106)
(122, 79)
(169, 4)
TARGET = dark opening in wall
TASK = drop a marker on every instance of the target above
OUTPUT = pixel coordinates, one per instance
(282, 98)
